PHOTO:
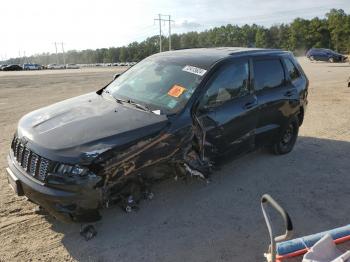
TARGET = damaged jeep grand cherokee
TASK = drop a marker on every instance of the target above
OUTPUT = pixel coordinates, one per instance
(172, 114)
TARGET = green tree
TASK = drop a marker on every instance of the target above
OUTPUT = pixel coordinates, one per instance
(261, 38)
(301, 34)
(339, 27)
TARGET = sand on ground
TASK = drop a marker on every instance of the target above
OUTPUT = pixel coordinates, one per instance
(189, 221)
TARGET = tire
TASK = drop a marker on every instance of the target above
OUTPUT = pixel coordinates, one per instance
(331, 60)
(287, 138)
(312, 58)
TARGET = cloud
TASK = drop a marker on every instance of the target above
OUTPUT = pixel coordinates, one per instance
(189, 25)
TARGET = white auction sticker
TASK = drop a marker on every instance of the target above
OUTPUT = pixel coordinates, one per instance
(194, 70)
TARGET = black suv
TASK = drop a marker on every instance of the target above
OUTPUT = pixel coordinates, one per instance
(322, 54)
(172, 114)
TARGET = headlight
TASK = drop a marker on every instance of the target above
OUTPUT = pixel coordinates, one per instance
(71, 170)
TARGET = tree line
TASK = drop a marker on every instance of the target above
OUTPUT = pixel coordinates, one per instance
(332, 32)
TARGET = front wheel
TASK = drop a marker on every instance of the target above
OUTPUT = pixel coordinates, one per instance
(287, 138)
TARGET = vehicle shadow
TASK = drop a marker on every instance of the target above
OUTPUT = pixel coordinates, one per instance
(222, 221)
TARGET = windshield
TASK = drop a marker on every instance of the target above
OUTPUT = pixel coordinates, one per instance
(160, 83)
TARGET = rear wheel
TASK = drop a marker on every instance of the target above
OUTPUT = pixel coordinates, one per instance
(287, 138)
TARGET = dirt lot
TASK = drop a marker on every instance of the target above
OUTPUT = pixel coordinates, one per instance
(189, 221)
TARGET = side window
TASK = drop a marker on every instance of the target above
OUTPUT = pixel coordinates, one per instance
(230, 82)
(268, 73)
(291, 70)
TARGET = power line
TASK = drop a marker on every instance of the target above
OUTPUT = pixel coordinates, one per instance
(160, 19)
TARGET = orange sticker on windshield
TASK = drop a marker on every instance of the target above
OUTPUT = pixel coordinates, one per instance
(176, 91)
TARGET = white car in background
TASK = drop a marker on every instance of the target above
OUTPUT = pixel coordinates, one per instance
(55, 66)
(72, 66)
(32, 67)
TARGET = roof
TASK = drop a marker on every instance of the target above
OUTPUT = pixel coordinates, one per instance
(206, 57)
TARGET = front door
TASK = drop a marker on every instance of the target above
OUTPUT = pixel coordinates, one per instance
(227, 110)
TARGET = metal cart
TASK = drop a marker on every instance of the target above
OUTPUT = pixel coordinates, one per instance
(283, 249)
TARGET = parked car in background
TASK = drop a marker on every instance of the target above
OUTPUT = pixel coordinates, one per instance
(2, 66)
(175, 111)
(32, 67)
(322, 54)
(12, 68)
(55, 66)
(72, 66)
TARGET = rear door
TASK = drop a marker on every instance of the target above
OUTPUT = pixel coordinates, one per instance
(294, 77)
(227, 111)
(296, 84)
(273, 94)
(321, 55)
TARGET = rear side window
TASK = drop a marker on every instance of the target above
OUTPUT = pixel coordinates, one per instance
(268, 73)
(292, 71)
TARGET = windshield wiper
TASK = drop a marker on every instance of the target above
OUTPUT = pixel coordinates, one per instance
(120, 101)
(130, 102)
(139, 106)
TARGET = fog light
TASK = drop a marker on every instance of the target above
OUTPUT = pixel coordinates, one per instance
(70, 170)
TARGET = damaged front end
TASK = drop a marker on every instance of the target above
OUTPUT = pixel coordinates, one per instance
(128, 176)
(99, 149)
(121, 175)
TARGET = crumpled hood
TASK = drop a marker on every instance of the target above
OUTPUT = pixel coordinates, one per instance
(86, 124)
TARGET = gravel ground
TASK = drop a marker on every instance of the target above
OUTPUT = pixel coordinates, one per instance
(189, 221)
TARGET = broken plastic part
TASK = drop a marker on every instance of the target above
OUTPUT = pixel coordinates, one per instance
(150, 196)
(88, 232)
(193, 172)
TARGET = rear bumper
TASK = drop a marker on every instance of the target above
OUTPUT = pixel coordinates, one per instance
(66, 205)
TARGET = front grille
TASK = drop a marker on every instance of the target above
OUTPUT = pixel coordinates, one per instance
(35, 165)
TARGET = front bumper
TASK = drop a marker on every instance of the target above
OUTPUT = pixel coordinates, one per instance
(78, 205)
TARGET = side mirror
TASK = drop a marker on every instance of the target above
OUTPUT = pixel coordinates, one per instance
(116, 76)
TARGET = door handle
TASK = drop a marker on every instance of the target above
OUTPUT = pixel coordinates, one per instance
(289, 93)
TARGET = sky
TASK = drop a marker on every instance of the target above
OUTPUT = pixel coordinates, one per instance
(31, 27)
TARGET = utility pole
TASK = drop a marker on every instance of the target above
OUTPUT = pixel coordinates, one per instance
(56, 53)
(169, 21)
(64, 57)
(160, 19)
(160, 31)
